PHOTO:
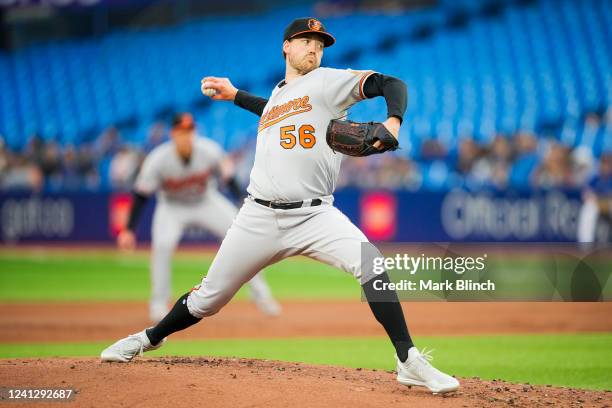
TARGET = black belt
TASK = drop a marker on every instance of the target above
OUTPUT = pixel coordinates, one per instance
(287, 206)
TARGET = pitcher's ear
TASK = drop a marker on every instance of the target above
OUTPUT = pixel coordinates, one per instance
(286, 46)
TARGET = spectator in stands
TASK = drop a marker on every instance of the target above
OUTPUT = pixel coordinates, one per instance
(398, 173)
(4, 158)
(554, 171)
(435, 170)
(477, 165)
(19, 174)
(526, 160)
(357, 172)
(583, 166)
(469, 152)
(592, 123)
(495, 165)
(90, 179)
(51, 165)
(35, 149)
(71, 178)
(432, 150)
(157, 134)
(123, 168)
(105, 147)
(107, 144)
(4, 161)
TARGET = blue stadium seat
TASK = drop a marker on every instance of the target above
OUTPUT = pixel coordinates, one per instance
(472, 67)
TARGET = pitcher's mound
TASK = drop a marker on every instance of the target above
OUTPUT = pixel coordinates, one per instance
(223, 382)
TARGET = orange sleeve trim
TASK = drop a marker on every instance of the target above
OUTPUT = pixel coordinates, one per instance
(362, 82)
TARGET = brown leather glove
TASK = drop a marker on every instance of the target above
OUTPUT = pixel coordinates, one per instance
(357, 139)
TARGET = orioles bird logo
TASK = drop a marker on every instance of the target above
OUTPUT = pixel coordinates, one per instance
(314, 24)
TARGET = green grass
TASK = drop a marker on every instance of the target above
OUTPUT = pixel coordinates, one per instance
(43, 275)
(573, 360)
(106, 276)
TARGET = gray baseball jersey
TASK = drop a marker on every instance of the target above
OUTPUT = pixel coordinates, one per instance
(293, 161)
(175, 180)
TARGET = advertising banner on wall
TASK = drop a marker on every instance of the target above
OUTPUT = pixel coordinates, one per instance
(455, 216)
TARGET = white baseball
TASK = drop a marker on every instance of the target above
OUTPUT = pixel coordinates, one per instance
(208, 91)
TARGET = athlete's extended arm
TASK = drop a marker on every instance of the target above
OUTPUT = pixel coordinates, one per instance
(126, 240)
(227, 172)
(396, 95)
(250, 102)
(226, 91)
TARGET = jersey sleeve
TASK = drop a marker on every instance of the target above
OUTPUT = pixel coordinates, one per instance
(344, 87)
(149, 177)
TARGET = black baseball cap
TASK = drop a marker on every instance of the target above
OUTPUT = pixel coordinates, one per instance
(183, 121)
(306, 25)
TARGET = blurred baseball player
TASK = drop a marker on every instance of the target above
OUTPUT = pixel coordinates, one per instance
(595, 217)
(182, 172)
(289, 210)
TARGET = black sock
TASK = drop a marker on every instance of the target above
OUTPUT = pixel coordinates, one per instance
(388, 312)
(177, 319)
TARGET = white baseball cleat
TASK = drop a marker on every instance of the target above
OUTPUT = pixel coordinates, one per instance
(268, 306)
(417, 370)
(124, 350)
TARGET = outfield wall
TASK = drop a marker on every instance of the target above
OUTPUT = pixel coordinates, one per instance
(383, 215)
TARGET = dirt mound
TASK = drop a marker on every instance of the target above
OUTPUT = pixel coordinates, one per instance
(240, 382)
(32, 322)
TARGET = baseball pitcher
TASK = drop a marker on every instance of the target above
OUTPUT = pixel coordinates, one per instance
(289, 210)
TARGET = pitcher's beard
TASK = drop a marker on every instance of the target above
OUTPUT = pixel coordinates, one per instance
(303, 67)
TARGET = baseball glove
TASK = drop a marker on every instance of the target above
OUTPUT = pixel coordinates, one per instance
(357, 139)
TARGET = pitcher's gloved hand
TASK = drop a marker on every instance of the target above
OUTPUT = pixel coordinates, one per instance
(359, 139)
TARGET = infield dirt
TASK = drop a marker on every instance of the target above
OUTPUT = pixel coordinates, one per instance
(214, 382)
(60, 322)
